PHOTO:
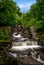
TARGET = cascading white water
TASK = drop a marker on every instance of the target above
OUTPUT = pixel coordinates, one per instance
(13, 54)
(24, 45)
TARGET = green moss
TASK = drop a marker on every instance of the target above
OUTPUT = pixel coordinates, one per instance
(5, 33)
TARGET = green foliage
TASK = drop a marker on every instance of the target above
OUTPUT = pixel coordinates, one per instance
(4, 33)
(8, 12)
(39, 24)
(35, 17)
(33, 21)
(10, 15)
(25, 20)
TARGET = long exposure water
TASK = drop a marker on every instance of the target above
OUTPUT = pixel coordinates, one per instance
(23, 44)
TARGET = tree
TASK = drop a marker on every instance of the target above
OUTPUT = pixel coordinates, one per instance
(35, 17)
(8, 12)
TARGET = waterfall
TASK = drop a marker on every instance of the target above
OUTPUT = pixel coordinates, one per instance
(24, 44)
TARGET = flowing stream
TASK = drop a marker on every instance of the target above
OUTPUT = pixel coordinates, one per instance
(23, 44)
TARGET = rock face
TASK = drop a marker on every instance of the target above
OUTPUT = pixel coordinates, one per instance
(29, 33)
(24, 31)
